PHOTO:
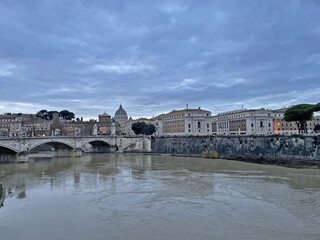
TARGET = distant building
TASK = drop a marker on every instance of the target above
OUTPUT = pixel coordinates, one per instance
(77, 128)
(104, 118)
(183, 122)
(280, 126)
(23, 125)
(120, 115)
(242, 122)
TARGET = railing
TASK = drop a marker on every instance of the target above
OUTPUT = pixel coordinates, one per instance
(63, 137)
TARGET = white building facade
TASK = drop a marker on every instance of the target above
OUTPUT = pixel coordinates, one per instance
(243, 122)
(193, 122)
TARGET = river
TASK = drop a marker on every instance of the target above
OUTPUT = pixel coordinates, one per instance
(135, 196)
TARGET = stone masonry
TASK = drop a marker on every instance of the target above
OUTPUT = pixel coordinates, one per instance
(289, 147)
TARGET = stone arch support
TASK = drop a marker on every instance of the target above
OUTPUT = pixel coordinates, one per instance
(88, 141)
(10, 147)
(30, 146)
(137, 144)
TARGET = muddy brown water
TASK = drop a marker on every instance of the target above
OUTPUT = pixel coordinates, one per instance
(134, 196)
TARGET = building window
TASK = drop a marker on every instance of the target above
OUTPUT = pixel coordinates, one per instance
(251, 124)
(199, 124)
(261, 124)
(189, 125)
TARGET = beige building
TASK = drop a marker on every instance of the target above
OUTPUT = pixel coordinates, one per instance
(183, 122)
(243, 122)
(105, 126)
(280, 126)
(23, 125)
(77, 128)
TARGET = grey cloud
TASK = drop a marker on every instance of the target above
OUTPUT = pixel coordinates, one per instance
(88, 56)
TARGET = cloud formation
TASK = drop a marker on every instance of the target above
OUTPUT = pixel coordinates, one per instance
(88, 56)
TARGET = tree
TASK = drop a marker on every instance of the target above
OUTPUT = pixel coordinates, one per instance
(143, 128)
(42, 114)
(300, 114)
(65, 114)
(150, 129)
(138, 127)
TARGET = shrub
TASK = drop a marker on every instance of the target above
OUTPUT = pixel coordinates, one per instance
(210, 154)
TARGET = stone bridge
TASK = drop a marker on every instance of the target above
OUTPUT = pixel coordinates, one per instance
(76, 144)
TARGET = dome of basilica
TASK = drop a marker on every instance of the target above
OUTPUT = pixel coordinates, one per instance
(120, 115)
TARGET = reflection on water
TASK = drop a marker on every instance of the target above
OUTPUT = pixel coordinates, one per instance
(2, 195)
(132, 196)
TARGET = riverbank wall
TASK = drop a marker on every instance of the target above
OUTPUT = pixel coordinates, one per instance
(296, 147)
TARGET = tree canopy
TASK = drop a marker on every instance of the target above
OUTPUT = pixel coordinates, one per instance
(48, 115)
(65, 114)
(143, 128)
(42, 114)
(300, 114)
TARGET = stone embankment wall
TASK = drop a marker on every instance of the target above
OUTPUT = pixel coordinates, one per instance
(288, 147)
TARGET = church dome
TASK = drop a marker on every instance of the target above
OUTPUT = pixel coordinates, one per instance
(121, 112)
(120, 115)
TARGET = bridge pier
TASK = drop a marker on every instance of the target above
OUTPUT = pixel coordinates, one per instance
(22, 158)
(77, 152)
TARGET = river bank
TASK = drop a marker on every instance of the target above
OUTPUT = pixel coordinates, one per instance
(291, 163)
(296, 151)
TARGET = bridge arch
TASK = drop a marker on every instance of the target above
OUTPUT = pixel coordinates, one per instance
(52, 143)
(101, 145)
(7, 149)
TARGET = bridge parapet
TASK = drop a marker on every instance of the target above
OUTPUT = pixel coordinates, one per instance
(25, 145)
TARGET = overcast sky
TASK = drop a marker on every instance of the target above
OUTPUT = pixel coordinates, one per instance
(156, 56)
